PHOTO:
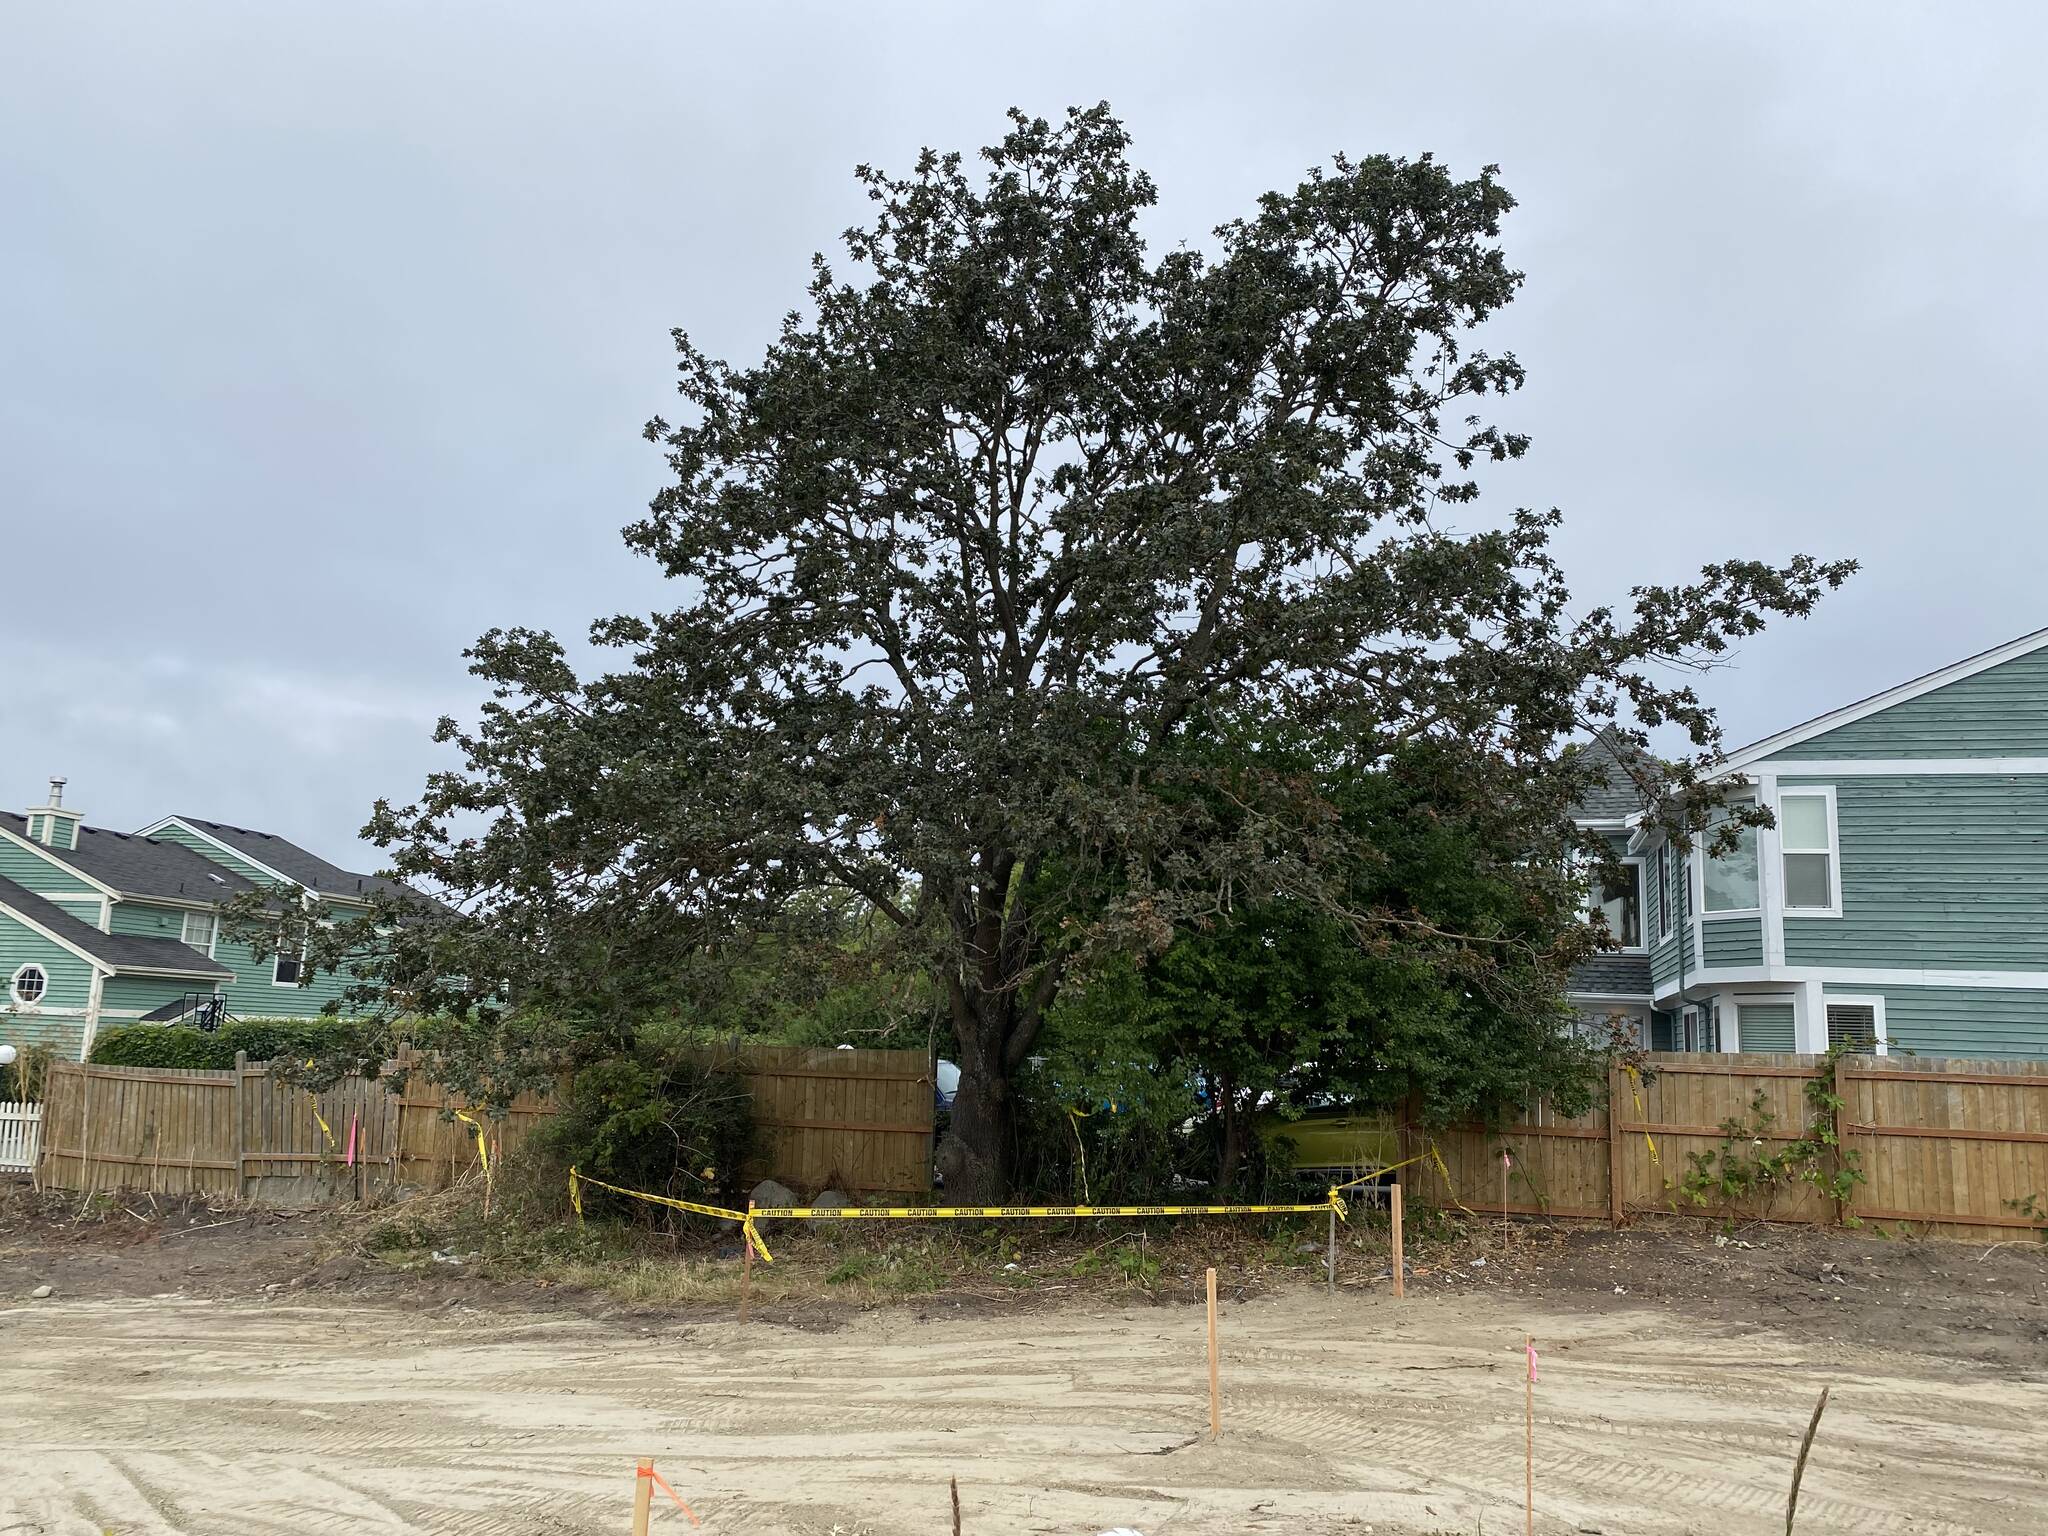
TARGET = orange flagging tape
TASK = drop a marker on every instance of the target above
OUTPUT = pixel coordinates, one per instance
(662, 1483)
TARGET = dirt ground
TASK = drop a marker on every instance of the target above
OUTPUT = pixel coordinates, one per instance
(247, 1378)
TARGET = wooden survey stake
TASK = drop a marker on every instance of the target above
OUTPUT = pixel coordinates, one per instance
(1529, 1439)
(643, 1492)
(1215, 1377)
(1400, 1279)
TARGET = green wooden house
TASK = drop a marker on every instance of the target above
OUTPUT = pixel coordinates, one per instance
(1901, 900)
(100, 927)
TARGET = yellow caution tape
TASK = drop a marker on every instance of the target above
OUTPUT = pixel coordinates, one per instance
(1332, 1201)
(1371, 1174)
(1449, 1188)
(483, 1152)
(987, 1212)
(744, 1218)
(325, 1129)
(1643, 1115)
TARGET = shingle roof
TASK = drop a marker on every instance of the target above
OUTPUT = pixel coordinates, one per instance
(1614, 795)
(122, 951)
(295, 863)
(136, 865)
(1614, 976)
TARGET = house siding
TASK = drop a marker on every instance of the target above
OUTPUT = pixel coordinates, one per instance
(70, 977)
(1947, 872)
(251, 994)
(2000, 712)
(2001, 1023)
(147, 919)
(1733, 941)
(1664, 965)
(33, 872)
(146, 994)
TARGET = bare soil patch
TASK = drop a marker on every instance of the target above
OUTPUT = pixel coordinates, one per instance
(268, 1375)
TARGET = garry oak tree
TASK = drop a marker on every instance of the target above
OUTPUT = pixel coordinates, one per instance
(1008, 527)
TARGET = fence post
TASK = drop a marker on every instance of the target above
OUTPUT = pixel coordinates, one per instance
(241, 1130)
(1841, 1088)
(1616, 1209)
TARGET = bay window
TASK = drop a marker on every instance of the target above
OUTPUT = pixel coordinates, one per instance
(1728, 881)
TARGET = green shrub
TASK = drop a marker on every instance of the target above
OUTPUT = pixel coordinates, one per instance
(654, 1120)
(181, 1047)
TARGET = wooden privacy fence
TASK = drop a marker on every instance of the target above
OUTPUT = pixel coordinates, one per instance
(249, 1135)
(854, 1120)
(1959, 1145)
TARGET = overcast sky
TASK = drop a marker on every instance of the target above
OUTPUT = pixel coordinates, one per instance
(327, 332)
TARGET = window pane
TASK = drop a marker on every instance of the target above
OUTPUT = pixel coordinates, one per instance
(1856, 1024)
(1729, 881)
(1803, 822)
(1622, 905)
(1808, 880)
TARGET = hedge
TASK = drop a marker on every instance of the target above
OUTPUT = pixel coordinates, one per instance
(194, 1050)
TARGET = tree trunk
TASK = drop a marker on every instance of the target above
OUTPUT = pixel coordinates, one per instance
(1231, 1152)
(974, 1160)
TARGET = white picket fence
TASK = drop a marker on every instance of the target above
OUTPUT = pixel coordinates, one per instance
(21, 1135)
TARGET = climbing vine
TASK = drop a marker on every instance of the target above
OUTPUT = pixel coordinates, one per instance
(1743, 1172)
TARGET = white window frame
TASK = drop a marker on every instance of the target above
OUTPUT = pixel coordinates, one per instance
(1833, 850)
(1696, 873)
(1871, 1000)
(279, 958)
(14, 985)
(1666, 929)
(212, 934)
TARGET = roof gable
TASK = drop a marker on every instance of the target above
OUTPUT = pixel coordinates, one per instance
(112, 951)
(130, 864)
(1994, 704)
(285, 860)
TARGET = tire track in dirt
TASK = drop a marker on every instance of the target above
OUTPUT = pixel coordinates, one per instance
(254, 1421)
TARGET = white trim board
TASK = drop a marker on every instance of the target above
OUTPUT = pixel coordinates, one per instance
(1860, 976)
(1907, 767)
(1955, 672)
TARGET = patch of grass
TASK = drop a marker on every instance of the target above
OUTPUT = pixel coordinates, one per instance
(916, 1274)
(855, 1266)
(1136, 1266)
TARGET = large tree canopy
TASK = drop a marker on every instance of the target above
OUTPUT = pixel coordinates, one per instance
(980, 562)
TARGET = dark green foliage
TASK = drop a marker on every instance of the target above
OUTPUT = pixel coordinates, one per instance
(654, 1119)
(341, 1041)
(1452, 1007)
(980, 569)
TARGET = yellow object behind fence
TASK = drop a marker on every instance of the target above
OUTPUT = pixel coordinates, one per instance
(1331, 1201)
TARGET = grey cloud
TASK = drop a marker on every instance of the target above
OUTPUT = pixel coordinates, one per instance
(329, 330)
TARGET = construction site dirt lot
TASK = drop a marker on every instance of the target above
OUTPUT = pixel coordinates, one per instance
(162, 1387)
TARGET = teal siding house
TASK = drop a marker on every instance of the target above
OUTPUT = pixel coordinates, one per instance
(100, 927)
(1901, 900)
